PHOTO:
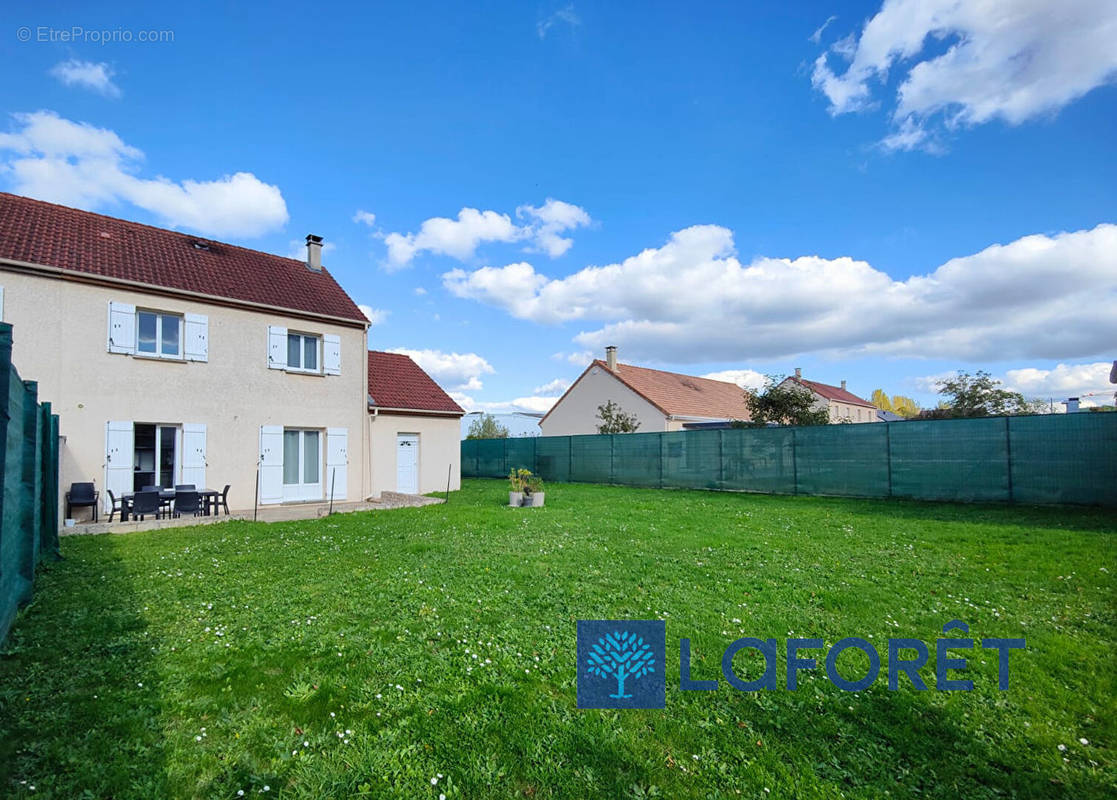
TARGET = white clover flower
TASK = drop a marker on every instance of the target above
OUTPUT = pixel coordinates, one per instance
(1084, 741)
(434, 781)
(1062, 748)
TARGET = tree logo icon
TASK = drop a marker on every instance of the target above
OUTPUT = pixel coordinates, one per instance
(620, 663)
(621, 655)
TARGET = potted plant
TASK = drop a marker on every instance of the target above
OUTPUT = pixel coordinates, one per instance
(516, 487)
(533, 491)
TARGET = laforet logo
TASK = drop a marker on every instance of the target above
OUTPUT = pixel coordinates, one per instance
(620, 663)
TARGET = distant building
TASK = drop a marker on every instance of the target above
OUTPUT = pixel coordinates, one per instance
(661, 401)
(842, 404)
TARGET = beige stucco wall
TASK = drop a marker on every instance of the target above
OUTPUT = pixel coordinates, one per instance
(576, 413)
(60, 340)
(439, 448)
(839, 412)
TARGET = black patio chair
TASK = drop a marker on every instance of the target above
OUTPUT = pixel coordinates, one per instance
(151, 488)
(117, 505)
(147, 502)
(81, 495)
(188, 503)
(185, 487)
(223, 500)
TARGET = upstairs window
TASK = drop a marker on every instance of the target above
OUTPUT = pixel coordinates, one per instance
(158, 335)
(302, 352)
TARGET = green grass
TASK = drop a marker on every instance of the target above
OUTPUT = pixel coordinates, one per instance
(369, 653)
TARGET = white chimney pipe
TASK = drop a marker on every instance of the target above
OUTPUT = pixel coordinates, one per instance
(1072, 405)
(611, 357)
(798, 373)
(314, 252)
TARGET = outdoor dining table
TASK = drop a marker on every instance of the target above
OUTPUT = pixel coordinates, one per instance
(210, 498)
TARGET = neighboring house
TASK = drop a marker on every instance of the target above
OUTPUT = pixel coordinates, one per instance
(661, 401)
(171, 358)
(843, 405)
(889, 416)
(414, 430)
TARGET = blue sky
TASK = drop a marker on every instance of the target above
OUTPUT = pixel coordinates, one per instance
(759, 193)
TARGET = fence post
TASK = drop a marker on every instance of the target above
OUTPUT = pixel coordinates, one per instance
(721, 460)
(794, 464)
(1008, 458)
(660, 448)
(888, 447)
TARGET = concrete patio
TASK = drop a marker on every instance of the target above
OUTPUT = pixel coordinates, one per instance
(272, 513)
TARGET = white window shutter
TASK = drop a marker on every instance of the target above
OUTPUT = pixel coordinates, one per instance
(331, 354)
(122, 327)
(271, 464)
(194, 454)
(197, 338)
(119, 460)
(337, 461)
(277, 347)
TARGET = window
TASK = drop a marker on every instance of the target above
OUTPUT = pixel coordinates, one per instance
(302, 352)
(302, 464)
(158, 334)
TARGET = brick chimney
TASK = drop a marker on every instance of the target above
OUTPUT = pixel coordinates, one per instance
(611, 357)
(843, 385)
(798, 373)
(314, 252)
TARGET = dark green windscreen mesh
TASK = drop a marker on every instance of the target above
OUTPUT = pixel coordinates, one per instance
(1055, 458)
(29, 480)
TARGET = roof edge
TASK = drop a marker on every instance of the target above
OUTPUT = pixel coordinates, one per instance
(77, 276)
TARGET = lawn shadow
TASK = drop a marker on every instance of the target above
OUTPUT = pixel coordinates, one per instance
(80, 701)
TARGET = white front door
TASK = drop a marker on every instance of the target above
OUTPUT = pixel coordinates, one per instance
(407, 463)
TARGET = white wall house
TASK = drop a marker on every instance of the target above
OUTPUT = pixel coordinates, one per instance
(661, 401)
(174, 359)
(842, 404)
(413, 428)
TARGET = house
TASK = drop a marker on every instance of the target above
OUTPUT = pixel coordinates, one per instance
(843, 405)
(414, 428)
(171, 358)
(661, 401)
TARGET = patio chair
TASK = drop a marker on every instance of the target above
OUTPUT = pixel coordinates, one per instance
(147, 502)
(151, 488)
(188, 503)
(81, 495)
(185, 487)
(223, 500)
(116, 505)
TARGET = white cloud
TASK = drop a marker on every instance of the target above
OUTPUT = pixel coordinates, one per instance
(375, 316)
(745, 378)
(1011, 60)
(534, 404)
(692, 300)
(566, 15)
(459, 238)
(420, 291)
(555, 387)
(87, 75)
(550, 220)
(816, 37)
(364, 218)
(77, 164)
(454, 372)
(1063, 380)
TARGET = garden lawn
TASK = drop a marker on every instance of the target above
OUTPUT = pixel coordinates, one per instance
(426, 652)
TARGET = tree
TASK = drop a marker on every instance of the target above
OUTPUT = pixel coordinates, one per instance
(784, 404)
(486, 426)
(981, 395)
(621, 655)
(615, 419)
(897, 403)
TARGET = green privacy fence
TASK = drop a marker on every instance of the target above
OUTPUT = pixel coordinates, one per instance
(1057, 458)
(29, 479)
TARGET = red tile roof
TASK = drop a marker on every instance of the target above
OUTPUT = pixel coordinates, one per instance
(680, 395)
(395, 381)
(835, 393)
(43, 233)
